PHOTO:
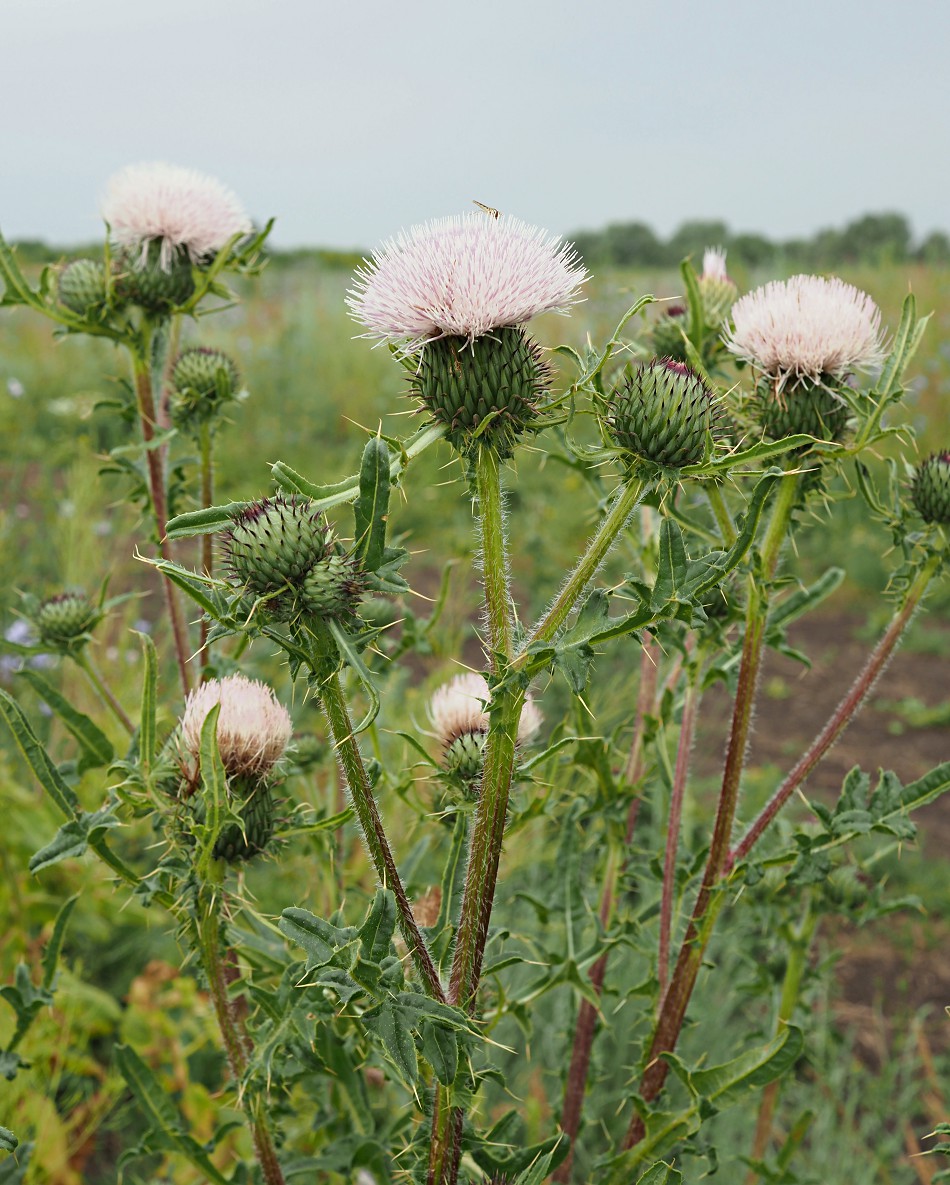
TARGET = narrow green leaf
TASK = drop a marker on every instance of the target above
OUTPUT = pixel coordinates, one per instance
(372, 506)
(148, 735)
(320, 940)
(725, 1084)
(325, 496)
(763, 451)
(72, 839)
(37, 758)
(8, 1141)
(214, 791)
(905, 341)
(159, 1109)
(671, 565)
(351, 656)
(189, 583)
(203, 522)
(543, 1166)
(55, 944)
(17, 288)
(803, 600)
(96, 746)
(694, 300)
(397, 1040)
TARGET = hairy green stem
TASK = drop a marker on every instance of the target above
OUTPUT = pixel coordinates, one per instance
(88, 667)
(206, 446)
(727, 528)
(623, 505)
(361, 794)
(710, 898)
(237, 1044)
(155, 467)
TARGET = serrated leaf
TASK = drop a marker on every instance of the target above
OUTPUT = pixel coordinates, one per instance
(8, 1141)
(573, 652)
(207, 521)
(55, 945)
(544, 1165)
(96, 747)
(319, 939)
(74, 837)
(390, 1026)
(214, 792)
(671, 565)
(36, 757)
(376, 932)
(725, 1084)
(661, 1173)
(440, 1048)
(372, 506)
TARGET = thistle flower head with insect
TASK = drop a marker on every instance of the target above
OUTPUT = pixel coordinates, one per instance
(463, 276)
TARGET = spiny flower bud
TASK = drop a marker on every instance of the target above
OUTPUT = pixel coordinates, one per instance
(66, 620)
(815, 409)
(930, 490)
(668, 340)
(150, 284)
(459, 714)
(202, 380)
(718, 291)
(273, 545)
(501, 375)
(82, 286)
(663, 413)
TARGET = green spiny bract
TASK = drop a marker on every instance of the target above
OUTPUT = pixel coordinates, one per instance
(664, 413)
(66, 620)
(719, 295)
(668, 330)
(464, 755)
(815, 409)
(157, 289)
(332, 587)
(82, 286)
(202, 381)
(930, 489)
(253, 801)
(500, 375)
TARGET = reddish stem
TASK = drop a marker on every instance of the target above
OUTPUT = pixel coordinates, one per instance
(843, 715)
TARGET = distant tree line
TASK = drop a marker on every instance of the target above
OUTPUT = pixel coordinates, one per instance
(872, 239)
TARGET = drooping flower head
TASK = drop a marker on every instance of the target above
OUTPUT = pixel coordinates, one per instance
(253, 727)
(806, 328)
(459, 714)
(184, 211)
(463, 277)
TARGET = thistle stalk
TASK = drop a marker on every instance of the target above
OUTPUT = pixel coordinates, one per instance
(86, 665)
(710, 898)
(361, 794)
(154, 460)
(206, 446)
(237, 1044)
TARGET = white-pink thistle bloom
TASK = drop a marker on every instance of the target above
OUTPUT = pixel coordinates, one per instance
(806, 327)
(714, 264)
(464, 276)
(185, 210)
(460, 707)
(253, 727)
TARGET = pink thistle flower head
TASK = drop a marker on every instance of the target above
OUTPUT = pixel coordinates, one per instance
(806, 327)
(463, 277)
(186, 211)
(253, 727)
(460, 707)
(714, 264)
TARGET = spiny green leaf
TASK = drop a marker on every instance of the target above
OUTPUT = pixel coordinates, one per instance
(37, 758)
(440, 1048)
(207, 521)
(55, 944)
(148, 736)
(8, 1141)
(661, 1174)
(390, 1026)
(319, 939)
(372, 505)
(376, 932)
(74, 837)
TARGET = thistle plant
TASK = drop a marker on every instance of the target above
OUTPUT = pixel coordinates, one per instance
(368, 1023)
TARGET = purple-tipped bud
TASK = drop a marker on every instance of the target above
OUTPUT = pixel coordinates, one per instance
(663, 413)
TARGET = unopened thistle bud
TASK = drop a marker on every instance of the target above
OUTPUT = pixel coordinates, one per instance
(82, 286)
(281, 549)
(668, 334)
(66, 620)
(202, 381)
(930, 489)
(816, 409)
(663, 413)
(500, 378)
(253, 731)
(459, 714)
(156, 286)
(718, 291)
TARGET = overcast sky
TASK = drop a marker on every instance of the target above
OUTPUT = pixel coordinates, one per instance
(348, 120)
